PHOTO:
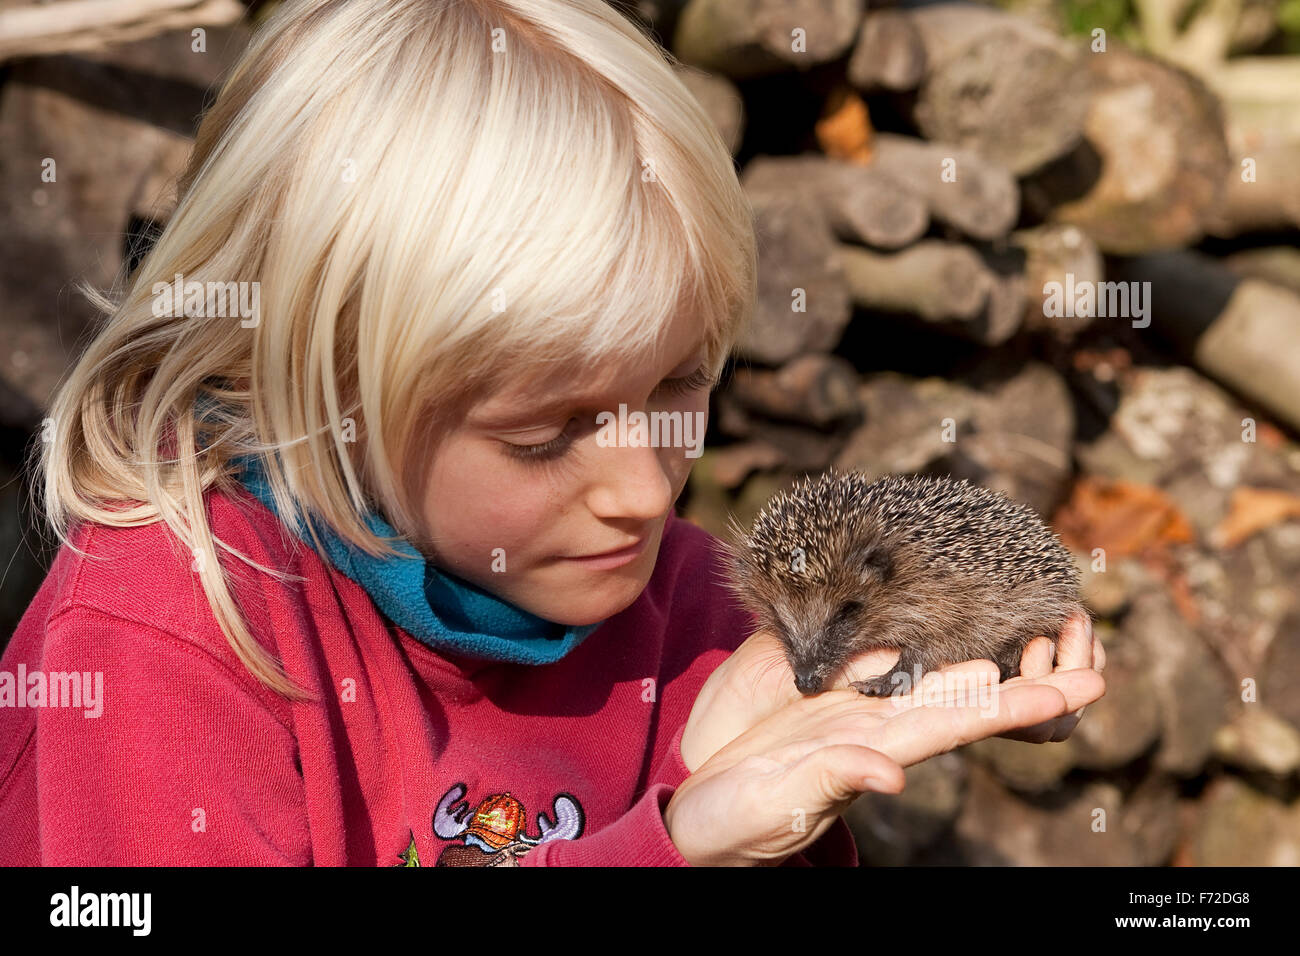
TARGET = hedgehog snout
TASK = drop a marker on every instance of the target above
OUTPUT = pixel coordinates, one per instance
(811, 680)
(808, 661)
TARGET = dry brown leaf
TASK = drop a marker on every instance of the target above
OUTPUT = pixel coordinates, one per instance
(1121, 517)
(1250, 511)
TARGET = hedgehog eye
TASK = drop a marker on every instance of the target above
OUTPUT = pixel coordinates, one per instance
(873, 564)
(850, 607)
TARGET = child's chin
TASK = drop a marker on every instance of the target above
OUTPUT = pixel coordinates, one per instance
(595, 601)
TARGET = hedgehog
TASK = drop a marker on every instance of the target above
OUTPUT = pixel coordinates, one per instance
(940, 569)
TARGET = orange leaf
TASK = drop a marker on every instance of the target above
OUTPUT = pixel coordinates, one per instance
(1122, 517)
(1252, 510)
(844, 131)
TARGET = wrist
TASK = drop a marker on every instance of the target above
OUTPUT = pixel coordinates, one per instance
(681, 831)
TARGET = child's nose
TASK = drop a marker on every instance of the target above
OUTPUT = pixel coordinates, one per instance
(632, 483)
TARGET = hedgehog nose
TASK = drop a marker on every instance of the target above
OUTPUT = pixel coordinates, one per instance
(807, 682)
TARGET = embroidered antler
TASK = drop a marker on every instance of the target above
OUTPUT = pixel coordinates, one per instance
(450, 821)
(567, 826)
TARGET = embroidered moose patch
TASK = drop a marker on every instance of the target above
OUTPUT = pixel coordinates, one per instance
(494, 833)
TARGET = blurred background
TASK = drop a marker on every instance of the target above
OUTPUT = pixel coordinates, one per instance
(1051, 247)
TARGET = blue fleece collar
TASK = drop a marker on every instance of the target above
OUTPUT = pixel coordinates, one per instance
(439, 609)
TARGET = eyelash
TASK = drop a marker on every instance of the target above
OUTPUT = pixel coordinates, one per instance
(555, 447)
(700, 378)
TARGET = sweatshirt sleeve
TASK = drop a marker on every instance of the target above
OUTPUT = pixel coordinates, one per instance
(638, 838)
(182, 765)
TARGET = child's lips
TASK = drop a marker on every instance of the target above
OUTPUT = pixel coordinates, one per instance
(614, 558)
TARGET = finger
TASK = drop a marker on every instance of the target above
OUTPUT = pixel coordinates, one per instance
(1074, 644)
(1080, 687)
(1037, 734)
(948, 683)
(1060, 729)
(981, 666)
(1037, 658)
(952, 686)
(920, 733)
(962, 686)
(1065, 725)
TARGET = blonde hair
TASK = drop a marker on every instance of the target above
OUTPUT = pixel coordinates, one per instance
(391, 172)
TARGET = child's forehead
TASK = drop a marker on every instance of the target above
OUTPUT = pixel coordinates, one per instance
(531, 392)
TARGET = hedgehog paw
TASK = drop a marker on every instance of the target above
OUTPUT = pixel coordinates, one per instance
(881, 686)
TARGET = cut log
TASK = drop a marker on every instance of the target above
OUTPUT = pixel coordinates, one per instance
(1261, 192)
(1279, 265)
(1154, 162)
(1260, 95)
(1211, 31)
(732, 464)
(940, 282)
(720, 99)
(800, 447)
(937, 281)
(889, 54)
(814, 389)
(1017, 98)
(1261, 100)
(803, 298)
(860, 203)
(1004, 312)
(1056, 254)
(1243, 332)
(745, 38)
(74, 25)
(989, 81)
(947, 29)
(982, 202)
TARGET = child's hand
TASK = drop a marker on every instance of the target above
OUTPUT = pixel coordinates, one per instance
(756, 681)
(751, 684)
(1080, 648)
(776, 788)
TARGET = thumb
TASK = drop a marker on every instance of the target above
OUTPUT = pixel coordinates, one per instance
(846, 771)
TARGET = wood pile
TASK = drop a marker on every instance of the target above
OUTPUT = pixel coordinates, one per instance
(995, 251)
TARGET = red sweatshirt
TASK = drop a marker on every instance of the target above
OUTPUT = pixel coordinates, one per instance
(408, 756)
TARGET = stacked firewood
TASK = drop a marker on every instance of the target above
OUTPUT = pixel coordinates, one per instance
(1016, 173)
(993, 251)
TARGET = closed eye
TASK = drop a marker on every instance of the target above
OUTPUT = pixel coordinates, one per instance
(700, 378)
(543, 451)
